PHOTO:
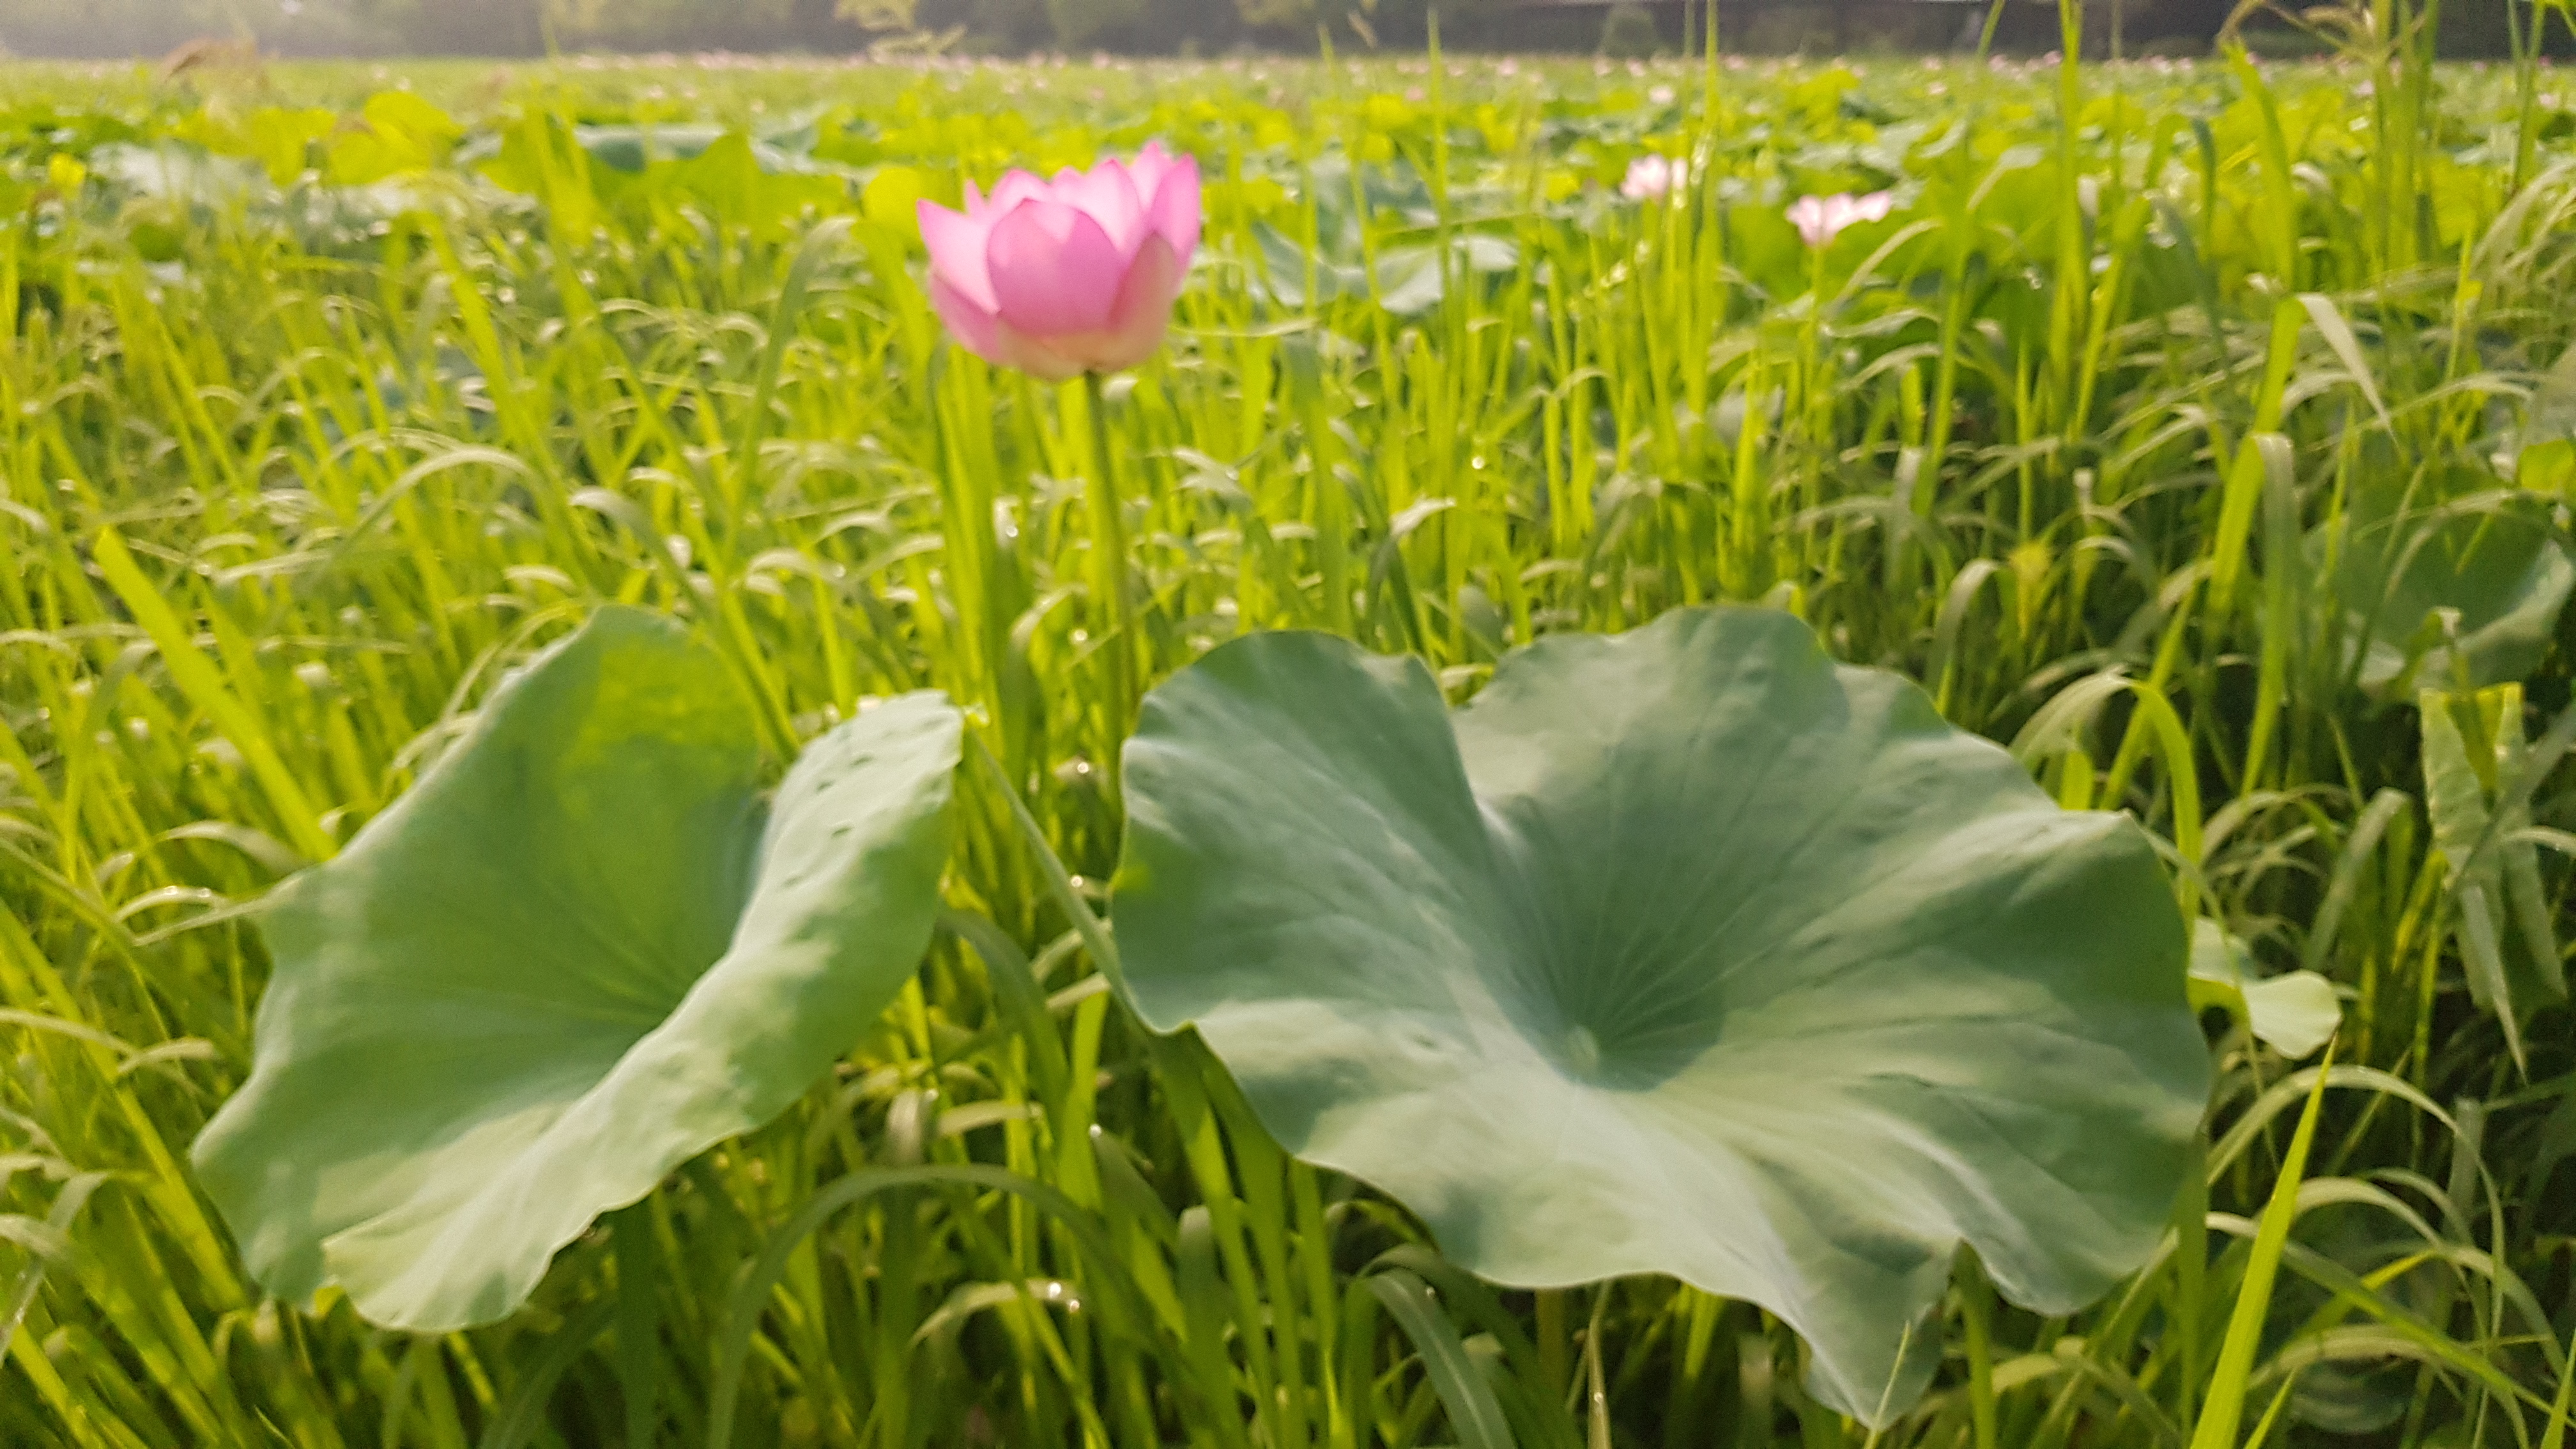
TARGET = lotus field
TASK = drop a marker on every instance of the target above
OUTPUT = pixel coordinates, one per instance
(1289, 754)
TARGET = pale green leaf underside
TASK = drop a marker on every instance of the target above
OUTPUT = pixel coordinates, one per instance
(578, 953)
(2295, 1013)
(1683, 951)
(2493, 882)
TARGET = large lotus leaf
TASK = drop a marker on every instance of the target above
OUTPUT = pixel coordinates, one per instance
(1684, 951)
(581, 951)
(2412, 548)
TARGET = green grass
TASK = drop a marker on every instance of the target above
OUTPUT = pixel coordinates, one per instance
(2117, 436)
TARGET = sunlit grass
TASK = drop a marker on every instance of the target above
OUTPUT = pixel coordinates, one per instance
(2120, 434)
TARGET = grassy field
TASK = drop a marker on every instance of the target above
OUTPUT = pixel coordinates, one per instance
(2199, 431)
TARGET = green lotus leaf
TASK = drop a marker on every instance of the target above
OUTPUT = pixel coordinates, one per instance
(1683, 951)
(579, 952)
(2412, 551)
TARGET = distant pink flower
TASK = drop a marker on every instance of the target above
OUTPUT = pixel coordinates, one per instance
(1652, 178)
(1820, 219)
(1058, 278)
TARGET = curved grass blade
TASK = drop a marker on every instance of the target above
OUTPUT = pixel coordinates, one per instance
(1473, 1411)
(2224, 1407)
(742, 1307)
(526, 1405)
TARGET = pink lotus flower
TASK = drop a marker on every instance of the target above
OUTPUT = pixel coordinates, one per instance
(1652, 178)
(1820, 219)
(1058, 278)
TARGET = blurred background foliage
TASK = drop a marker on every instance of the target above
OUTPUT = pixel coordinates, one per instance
(1620, 28)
